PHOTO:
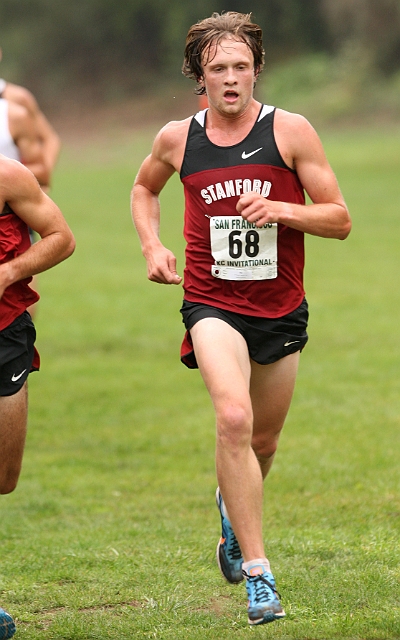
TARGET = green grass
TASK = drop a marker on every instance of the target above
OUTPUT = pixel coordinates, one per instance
(112, 530)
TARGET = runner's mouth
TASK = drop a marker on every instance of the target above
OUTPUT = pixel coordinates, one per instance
(231, 94)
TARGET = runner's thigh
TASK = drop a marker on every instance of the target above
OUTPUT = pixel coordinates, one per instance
(223, 359)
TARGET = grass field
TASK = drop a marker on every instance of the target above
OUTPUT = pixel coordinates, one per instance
(112, 530)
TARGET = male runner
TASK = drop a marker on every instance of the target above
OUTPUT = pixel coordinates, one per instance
(244, 167)
(22, 204)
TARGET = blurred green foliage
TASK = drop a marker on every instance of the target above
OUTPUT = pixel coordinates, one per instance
(329, 89)
(124, 44)
(107, 50)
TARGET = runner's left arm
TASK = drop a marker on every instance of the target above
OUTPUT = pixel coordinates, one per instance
(328, 215)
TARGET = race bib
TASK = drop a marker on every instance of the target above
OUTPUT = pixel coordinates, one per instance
(241, 250)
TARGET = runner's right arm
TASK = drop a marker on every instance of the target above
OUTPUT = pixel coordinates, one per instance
(21, 191)
(154, 173)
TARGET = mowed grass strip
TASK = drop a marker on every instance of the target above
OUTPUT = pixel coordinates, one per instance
(112, 530)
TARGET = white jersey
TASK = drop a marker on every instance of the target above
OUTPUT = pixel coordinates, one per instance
(7, 145)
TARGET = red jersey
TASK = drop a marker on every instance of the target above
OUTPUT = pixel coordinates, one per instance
(14, 240)
(230, 263)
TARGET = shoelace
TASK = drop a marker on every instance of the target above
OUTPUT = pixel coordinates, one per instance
(233, 549)
(261, 593)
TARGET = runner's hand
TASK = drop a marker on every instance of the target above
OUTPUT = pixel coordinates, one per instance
(255, 208)
(161, 267)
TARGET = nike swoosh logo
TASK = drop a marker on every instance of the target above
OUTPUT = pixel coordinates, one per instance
(287, 344)
(247, 155)
(15, 378)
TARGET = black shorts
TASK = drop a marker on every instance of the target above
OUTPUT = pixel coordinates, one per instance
(17, 353)
(268, 339)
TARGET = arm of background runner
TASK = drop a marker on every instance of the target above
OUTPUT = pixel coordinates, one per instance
(301, 148)
(51, 142)
(154, 173)
(24, 196)
(24, 132)
(48, 137)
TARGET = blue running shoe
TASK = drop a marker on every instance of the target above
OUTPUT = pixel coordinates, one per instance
(229, 556)
(7, 626)
(263, 605)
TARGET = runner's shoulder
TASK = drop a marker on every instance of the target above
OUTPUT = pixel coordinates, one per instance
(173, 134)
(294, 133)
(15, 178)
(293, 125)
(170, 142)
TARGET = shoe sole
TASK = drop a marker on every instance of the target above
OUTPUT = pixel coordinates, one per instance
(269, 617)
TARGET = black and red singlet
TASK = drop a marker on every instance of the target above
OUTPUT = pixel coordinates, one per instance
(230, 263)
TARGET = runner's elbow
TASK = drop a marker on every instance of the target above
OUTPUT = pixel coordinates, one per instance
(345, 230)
(71, 244)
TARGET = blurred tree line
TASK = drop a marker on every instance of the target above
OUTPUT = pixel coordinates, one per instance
(107, 49)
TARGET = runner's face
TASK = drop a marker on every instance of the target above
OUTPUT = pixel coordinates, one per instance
(229, 76)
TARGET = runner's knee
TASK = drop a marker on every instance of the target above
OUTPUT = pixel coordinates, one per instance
(234, 424)
(264, 448)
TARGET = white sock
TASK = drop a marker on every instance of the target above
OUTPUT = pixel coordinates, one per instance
(254, 567)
